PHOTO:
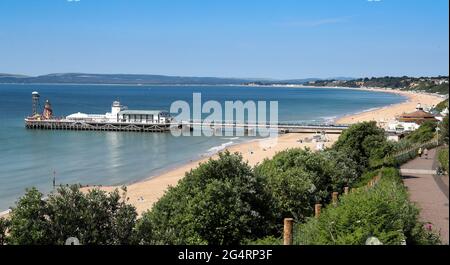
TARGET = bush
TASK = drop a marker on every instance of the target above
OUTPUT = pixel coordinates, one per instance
(298, 178)
(444, 130)
(365, 144)
(95, 217)
(221, 202)
(443, 158)
(423, 134)
(266, 241)
(383, 212)
(442, 105)
(4, 226)
(29, 225)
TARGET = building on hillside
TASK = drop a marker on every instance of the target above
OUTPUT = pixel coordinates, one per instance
(409, 122)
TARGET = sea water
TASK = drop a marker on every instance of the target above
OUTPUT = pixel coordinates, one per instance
(31, 158)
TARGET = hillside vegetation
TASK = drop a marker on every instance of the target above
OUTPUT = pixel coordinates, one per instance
(227, 202)
(438, 84)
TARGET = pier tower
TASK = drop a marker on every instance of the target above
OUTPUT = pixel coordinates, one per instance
(34, 102)
(48, 112)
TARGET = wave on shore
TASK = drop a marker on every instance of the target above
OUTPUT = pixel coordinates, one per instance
(219, 148)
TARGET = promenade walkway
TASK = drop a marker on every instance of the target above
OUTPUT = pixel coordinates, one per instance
(429, 192)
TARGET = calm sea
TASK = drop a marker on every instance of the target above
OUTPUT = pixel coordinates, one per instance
(29, 157)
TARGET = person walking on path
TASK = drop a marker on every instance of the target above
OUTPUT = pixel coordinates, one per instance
(425, 153)
(419, 152)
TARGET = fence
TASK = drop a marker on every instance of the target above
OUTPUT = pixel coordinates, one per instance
(412, 152)
(289, 222)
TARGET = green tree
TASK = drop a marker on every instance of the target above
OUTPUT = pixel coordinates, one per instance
(444, 130)
(29, 223)
(4, 226)
(300, 178)
(220, 202)
(424, 133)
(364, 143)
(95, 217)
(383, 211)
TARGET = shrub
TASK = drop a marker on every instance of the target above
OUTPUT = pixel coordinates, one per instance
(4, 226)
(443, 158)
(365, 144)
(29, 225)
(424, 133)
(221, 202)
(444, 130)
(95, 217)
(266, 241)
(383, 211)
(298, 178)
(442, 105)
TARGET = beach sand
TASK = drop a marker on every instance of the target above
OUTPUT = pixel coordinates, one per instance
(384, 115)
(145, 193)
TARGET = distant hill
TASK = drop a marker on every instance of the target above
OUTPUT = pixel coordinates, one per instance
(83, 78)
(437, 84)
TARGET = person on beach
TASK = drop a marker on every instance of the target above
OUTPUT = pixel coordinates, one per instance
(419, 152)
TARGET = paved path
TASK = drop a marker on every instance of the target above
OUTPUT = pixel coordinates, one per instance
(429, 192)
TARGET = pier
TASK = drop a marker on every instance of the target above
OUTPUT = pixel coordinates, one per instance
(122, 119)
(61, 124)
(95, 126)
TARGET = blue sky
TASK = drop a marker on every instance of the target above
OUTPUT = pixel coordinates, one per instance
(228, 38)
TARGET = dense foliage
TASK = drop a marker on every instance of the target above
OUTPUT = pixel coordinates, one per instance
(443, 159)
(383, 212)
(221, 202)
(225, 201)
(297, 179)
(4, 225)
(424, 133)
(364, 143)
(426, 84)
(441, 106)
(444, 130)
(95, 217)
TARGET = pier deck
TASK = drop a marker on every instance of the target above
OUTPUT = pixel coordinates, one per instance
(96, 126)
(166, 127)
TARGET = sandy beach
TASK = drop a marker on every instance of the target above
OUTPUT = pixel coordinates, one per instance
(386, 114)
(145, 193)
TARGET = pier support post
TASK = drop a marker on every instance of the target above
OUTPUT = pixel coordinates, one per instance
(287, 235)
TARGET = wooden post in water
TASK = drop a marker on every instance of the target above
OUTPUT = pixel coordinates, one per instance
(287, 235)
(317, 209)
(346, 190)
(334, 198)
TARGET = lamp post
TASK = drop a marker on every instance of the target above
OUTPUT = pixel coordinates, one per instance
(437, 135)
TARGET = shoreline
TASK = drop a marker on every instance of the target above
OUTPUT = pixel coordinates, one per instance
(143, 193)
(386, 114)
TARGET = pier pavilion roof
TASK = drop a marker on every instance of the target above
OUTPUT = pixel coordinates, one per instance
(142, 112)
